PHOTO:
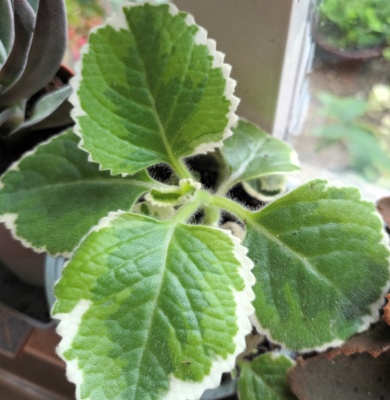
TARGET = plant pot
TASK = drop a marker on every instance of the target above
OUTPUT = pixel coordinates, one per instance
(53, 271)
(347, 54)
(24, 263)
(22, 271)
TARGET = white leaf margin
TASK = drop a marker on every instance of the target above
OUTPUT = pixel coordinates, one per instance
(183, 199)
(10, 219)
(293, 159)
(118, 22)
(374, 308)
(178, 390)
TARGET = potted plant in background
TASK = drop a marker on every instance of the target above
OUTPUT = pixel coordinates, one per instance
(33, 107)
(360, 127)
(156, 297)
(357, 29)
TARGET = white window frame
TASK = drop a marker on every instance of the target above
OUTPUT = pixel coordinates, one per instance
(268, 44)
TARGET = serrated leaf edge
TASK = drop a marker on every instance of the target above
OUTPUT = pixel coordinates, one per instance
(10, 219)
(294, 160)
(68, 329)
(218, 62)
(260, 196)
(374, 308)
(119, 22)
(178, 389)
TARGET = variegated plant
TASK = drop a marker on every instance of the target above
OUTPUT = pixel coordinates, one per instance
(155, 300)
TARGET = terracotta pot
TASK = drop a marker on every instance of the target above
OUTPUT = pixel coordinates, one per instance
(347, 54)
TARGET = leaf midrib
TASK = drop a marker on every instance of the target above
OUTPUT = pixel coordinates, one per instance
(158, 290)
(240, 171)
(168, 149)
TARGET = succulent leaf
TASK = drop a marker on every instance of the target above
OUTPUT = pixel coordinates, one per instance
(34, 4)
(24, 22)
(7, 35)
(46, 52)
(45, 106)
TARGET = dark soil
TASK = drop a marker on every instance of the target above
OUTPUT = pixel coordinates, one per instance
(28, 299)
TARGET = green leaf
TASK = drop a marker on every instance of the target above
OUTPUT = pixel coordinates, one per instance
(173, 195)
(342, 109)
(251, 153)
(53, 195)
(152, 88)
(151, 310)
(265, 378)
(266, 188)
(321, 265)
(151, 210)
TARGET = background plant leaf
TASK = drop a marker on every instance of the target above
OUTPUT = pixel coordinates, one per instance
(54, 195)
(45, 106)
(153, 310)
(46, 52)
(24, 24)
(342, 109)
(252, 153)
(321, 265)
(7, 32)
(265, 378)
(152, 89)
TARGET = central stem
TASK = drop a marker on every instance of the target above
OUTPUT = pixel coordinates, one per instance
(181, 169)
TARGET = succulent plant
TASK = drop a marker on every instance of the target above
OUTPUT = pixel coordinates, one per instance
(32, 103)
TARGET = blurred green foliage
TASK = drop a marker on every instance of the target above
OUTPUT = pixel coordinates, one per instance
(355, 24)
(362, 128)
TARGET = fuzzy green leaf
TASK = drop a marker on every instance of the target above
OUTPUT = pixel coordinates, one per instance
(173, 195)
(321, 264)
(251, 153)
(151, 89)
(265, 378)
(152, 310)
(265, 188)
(53, 196)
